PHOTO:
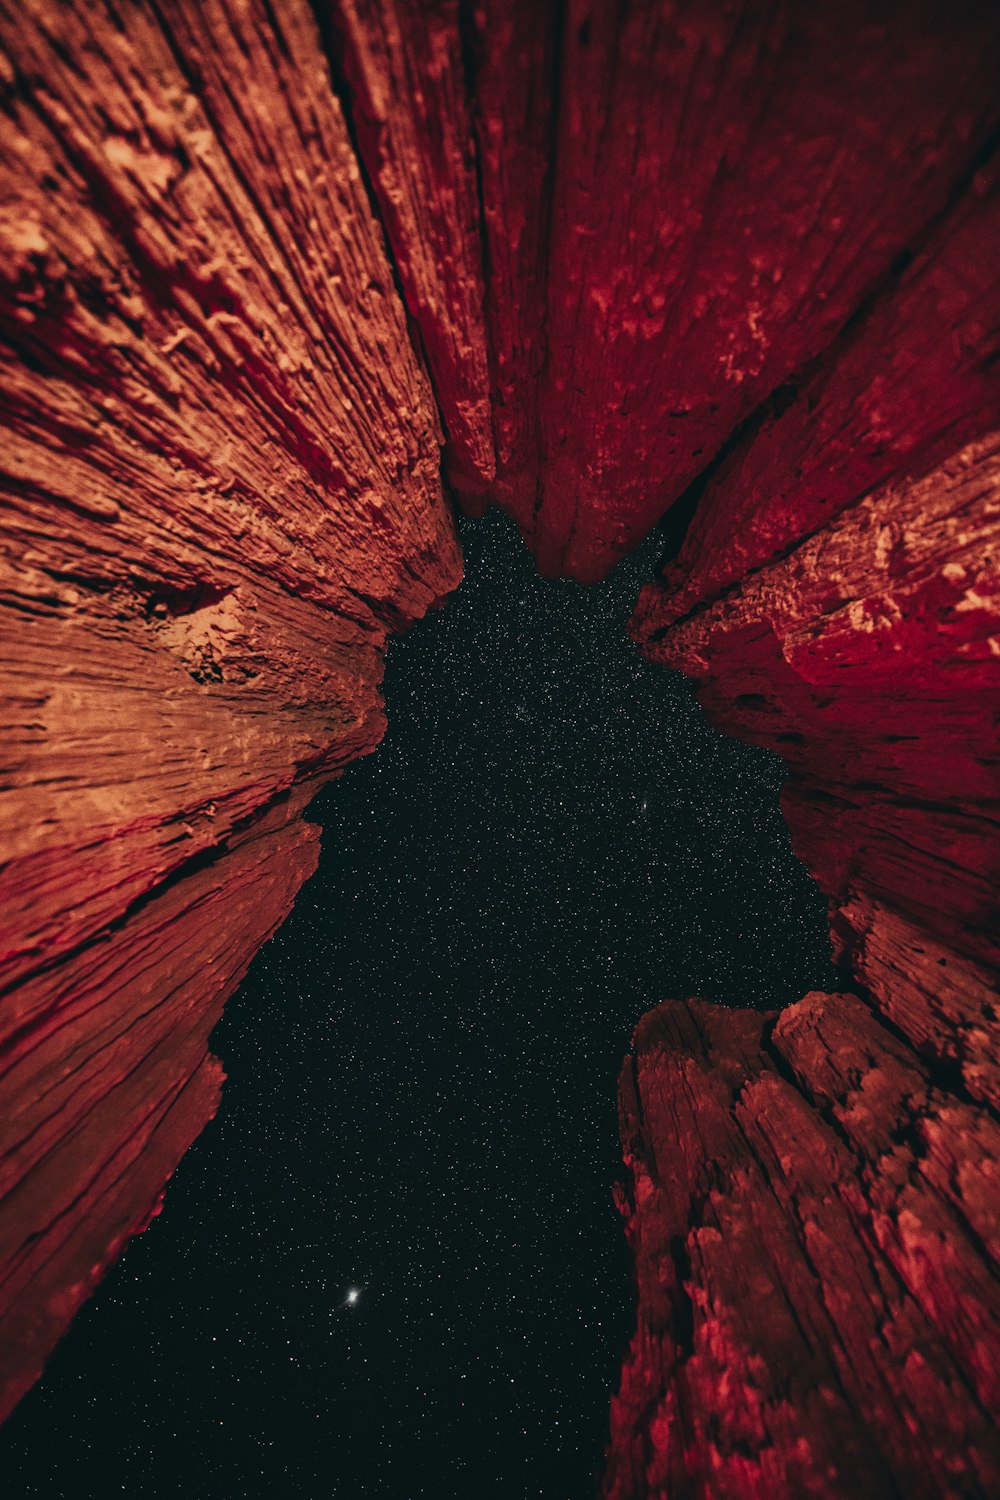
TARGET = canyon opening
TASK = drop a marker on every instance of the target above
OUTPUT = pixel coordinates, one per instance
(613, 1106)
(421, 1079)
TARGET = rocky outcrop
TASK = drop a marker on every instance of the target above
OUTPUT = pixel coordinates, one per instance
(812, 1201)
(107, 1076)
(909, 381)
(514, 52)
(405, 86)
(807, 1210)
(867, 657)
(779, 164)
(221, 493)
(729, 256)
(665, 213)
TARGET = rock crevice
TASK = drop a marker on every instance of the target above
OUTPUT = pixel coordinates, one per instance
(743, 259)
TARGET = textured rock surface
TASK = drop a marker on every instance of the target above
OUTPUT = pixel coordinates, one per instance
(807, 1211)
(813, 1202)
(868, 658)
(671, 210)
(777, 163)
(402, 64)
(108, 1078)
(514, 46)
(626, 240)
(910, 380)
(221, 492)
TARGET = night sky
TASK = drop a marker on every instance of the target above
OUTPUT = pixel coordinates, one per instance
(421, 1095)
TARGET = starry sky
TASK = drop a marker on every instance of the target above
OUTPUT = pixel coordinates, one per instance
(421, 1095)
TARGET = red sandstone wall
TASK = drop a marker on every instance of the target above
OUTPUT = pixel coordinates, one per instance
(405, 87)
(777, 160)
(626, 238)
(807, 1210)
(221, 492)
(813, 1202)
(682, 204)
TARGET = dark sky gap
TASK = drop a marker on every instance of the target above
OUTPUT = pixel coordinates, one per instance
(421, 1100)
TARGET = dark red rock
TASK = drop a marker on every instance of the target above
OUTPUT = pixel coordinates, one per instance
(911, 380)
(850, 1173)
(732, 182)
(107, 1077)
(807, 1212)
(402, 62)
(515, 46)
(867, 658)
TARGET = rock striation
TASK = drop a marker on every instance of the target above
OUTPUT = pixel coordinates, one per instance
(867, 657)
(221, 494)
(812, 1197)
(405, 86)
(758, 219)
(807, 1211)
(727, 266)
(680, 208)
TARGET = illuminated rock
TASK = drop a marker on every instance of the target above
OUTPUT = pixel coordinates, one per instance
(222, 495)
(652, 253)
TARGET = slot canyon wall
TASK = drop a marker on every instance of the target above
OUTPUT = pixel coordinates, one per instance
(222, 493)
(263, 269)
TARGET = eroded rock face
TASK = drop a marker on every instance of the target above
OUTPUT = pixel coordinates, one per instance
(813, 1198)
(622, 241)
(867, 658)
(221, 493)
(807, 1212)
(682, 206)
(757, 220)
(405, 86)
(813, 1201)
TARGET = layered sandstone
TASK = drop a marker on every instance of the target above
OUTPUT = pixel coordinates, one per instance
(258, 263)
(867, 657)
(812, 1198)
(779, 162)
(807, 1211)
(680, 207)
(401, 61)
(221, 494)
